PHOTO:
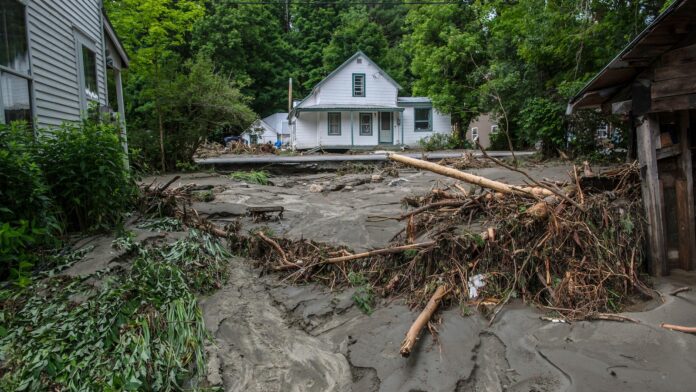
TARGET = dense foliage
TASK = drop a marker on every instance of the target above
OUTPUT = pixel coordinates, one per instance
(70, 178)
(139, 329)
(519, 60)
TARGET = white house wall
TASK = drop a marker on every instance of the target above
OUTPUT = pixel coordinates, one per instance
(442, 123)
(339, 89)
(52, 28)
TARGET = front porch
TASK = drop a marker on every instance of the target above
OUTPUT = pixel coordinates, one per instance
(344, 127)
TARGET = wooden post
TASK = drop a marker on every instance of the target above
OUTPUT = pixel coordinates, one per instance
(685, 198)
(646, 133)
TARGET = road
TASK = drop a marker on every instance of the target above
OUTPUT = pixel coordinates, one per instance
(376, 156)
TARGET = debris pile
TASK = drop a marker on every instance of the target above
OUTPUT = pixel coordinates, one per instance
(213, 149)
(467, 161)
(570, 247)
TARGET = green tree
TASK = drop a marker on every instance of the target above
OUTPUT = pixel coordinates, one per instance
(355, 32)
(446, 44)
(156, 34)
(249, 43)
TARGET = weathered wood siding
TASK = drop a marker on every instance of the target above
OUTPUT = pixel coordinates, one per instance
(673, 83)
(53, 26)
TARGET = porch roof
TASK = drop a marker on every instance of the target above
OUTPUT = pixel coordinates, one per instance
(349, 108)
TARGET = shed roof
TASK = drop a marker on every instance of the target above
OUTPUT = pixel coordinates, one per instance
(671, 27)
(109, 29)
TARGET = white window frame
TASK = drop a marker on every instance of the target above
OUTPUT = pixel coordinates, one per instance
(603, 132)
(494, 129)
(28, 76)
(81, 39)
(368, 130)
(328, 124)
(416, 121)
(474, 134)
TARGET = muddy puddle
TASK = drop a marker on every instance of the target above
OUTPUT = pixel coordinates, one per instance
(273, 336)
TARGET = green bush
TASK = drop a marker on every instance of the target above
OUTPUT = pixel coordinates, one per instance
(27, 214)
(542, 120)
(84, 165)
(441, 141)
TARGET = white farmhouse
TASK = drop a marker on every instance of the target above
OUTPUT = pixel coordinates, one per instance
(357, 105)
(268, 129)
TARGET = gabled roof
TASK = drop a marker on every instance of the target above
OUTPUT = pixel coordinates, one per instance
(661, 36)
(340, 67)
(109, 29)
(350, 60)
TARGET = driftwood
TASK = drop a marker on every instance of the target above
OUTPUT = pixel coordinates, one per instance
(422, 320)
(278, 249)
(396, 249)
(678, 328)
(471, 178)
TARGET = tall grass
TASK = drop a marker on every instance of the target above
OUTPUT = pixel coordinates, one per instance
(260, 177)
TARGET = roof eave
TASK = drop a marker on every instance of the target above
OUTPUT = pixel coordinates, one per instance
(109, 28)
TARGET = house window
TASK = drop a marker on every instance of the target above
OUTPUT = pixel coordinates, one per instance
(89, 70)
(358, 85)
(423, 119)
(15, 75)
(334, 123)
(474, 134)
(494, 129)
(365, 124)
(603, 132)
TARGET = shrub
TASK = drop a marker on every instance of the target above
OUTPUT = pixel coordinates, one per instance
(542, 120)
(441, 141)
(84, 166)
(254, 177)
(27, 217)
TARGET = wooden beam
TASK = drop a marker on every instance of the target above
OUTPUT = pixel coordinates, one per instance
(646, 133)
(685, 198)
(672, 104)
(623, 107)
(672, 87)
(668, 152)
(675, 71)
(682, 55)
(640, 94)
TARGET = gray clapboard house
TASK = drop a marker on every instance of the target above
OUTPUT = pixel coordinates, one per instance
(58, 58)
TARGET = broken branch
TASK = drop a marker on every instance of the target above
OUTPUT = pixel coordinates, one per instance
(471, 178)
(396, 249)
(421, 321)
(678, 328)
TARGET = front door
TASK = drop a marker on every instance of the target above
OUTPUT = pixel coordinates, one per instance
(386, 131)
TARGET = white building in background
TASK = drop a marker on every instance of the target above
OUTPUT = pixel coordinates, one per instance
(357, 105)
(268, 129)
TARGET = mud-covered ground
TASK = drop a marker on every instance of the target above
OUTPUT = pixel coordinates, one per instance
(272, 336)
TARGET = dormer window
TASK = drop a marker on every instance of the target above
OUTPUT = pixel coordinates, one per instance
(358, 85)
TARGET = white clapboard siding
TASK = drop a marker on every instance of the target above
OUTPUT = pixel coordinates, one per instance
(339, 88)
(53, 25)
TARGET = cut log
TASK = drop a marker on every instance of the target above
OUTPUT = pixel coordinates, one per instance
(396, 249)
(471, 178)
(421, 321)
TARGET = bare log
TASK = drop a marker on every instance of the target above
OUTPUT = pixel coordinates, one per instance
(396, 249)
(678, 328)
(471, 178)
(421, 321)
(679, 290)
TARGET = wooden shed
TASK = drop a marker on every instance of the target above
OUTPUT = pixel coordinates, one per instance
(652, 82)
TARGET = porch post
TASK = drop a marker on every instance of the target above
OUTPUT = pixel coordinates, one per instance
(401, 119)
(685, 197)
(646, 133)
(352, 141)
(121, 112)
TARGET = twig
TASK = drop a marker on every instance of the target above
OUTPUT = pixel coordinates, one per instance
(396, 249)
(278, 249)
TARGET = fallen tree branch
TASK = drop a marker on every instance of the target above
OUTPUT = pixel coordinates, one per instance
(274, 245)
(396, 249)
(438, 204)
(471, 178)
(422, 320)
(678, 328)
(679, 290)
(612, 317)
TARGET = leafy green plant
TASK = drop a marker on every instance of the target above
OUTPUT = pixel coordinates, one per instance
(441, 141)
(162, 224)
(364, 296)
(84, 166)
(260, 177)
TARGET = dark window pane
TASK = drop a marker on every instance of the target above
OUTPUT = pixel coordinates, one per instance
(89, 60)
(14, 51)
(16, 98)
(422, 119)
(334, 123)
(365, 124)
(358, 85)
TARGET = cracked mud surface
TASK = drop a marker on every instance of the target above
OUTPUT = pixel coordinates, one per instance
(270, 336)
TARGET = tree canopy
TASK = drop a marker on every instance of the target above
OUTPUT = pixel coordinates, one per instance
(520, 60)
